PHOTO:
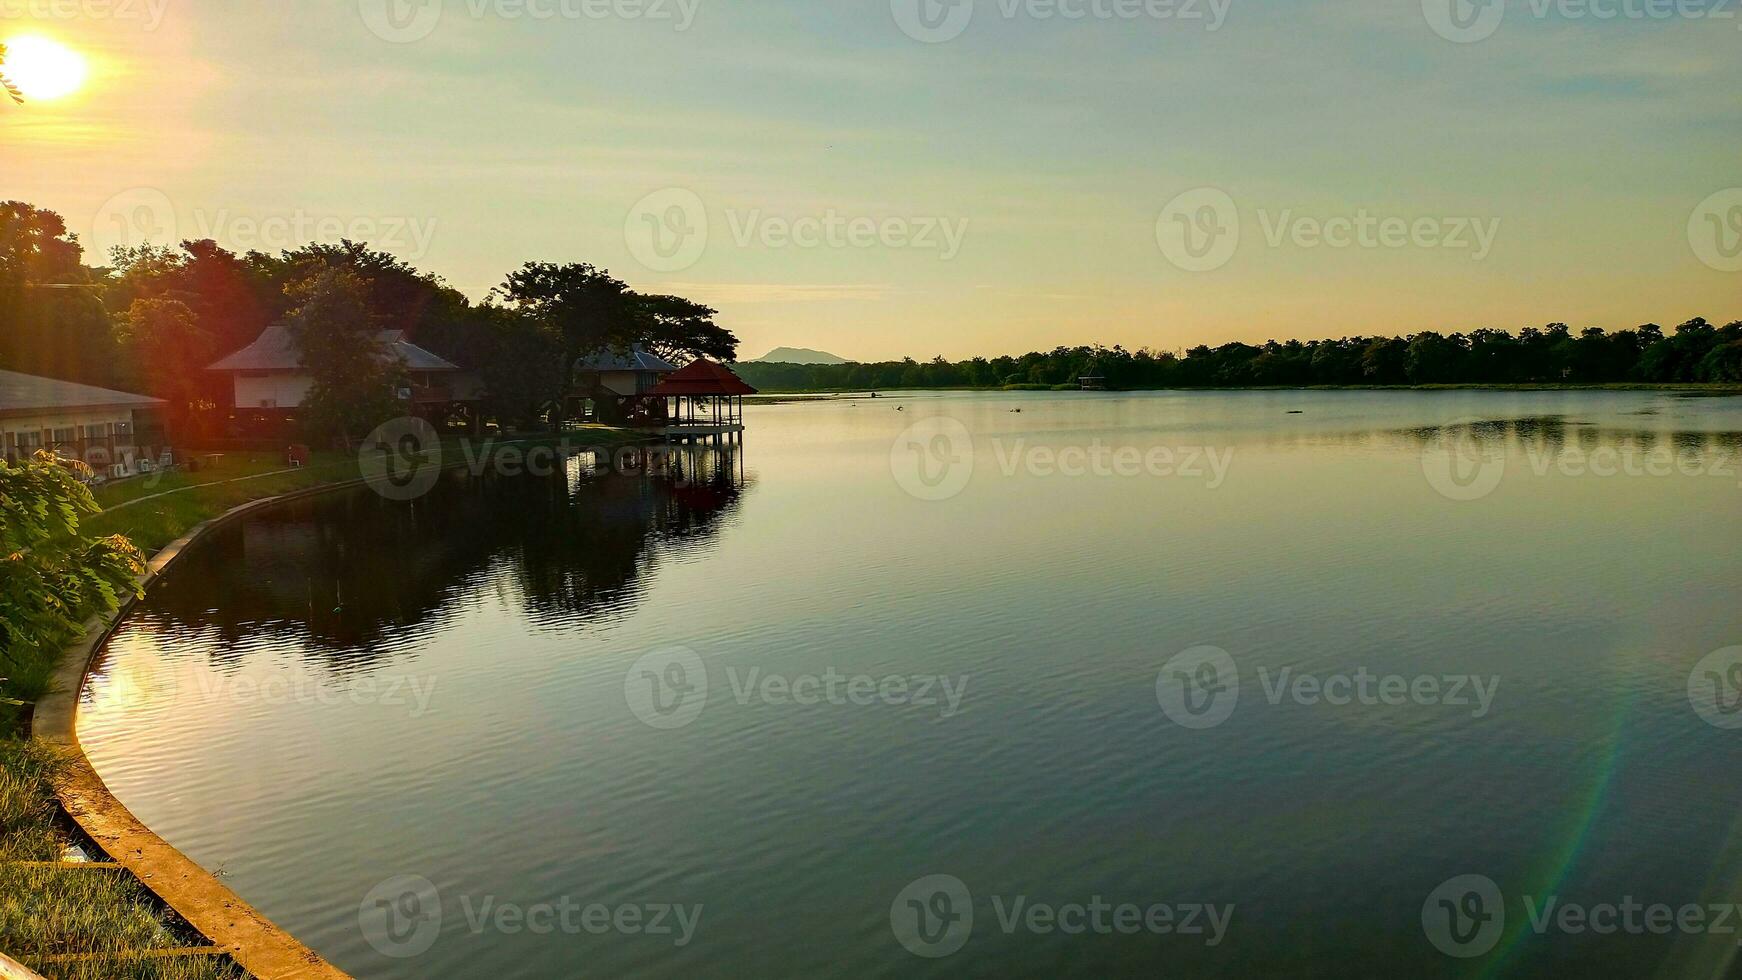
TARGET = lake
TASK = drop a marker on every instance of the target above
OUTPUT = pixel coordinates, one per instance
(1430, 683)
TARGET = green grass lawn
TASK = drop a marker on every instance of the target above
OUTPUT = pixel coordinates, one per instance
(74, 923)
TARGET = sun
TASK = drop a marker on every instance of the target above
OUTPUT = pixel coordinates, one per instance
(43, 69)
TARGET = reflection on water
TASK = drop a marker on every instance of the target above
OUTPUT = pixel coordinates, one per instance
(352, 575)
(352, 693)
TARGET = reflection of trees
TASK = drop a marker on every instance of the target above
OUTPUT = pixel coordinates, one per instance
(582, 540)
(1546, 436)
(350, 574)
(1550, 436)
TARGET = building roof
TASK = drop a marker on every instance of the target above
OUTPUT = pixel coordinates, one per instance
(701, 377)
(275, 350)
(635, 359)
(27, 394)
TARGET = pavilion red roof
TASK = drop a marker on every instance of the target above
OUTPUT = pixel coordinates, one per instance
(700, 377)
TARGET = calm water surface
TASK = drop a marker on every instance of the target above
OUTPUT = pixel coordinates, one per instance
(482, 688)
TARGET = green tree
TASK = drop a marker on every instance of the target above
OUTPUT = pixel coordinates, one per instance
(355, 377)
(588, 308)
(681, 330)
(52, 575)
(522, 368)
(169, 352)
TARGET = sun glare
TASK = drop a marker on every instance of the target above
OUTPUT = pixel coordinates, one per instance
(43, 69)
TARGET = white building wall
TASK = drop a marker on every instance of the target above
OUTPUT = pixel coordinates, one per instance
(272, 390)
(23, 435)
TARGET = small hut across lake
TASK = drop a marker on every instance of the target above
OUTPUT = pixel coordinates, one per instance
(701, 399)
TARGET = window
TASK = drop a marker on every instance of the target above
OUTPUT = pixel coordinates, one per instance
(123, 433)
(66, 435)
(29, 441)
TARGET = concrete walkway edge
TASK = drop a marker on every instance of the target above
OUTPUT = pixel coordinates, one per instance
(252, 940)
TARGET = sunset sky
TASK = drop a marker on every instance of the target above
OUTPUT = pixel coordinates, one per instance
(992, 192)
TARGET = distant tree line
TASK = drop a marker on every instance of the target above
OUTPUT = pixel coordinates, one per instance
(155, 316)
(1695, 351)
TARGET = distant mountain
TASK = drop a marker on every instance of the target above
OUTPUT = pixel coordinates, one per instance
(798, 355)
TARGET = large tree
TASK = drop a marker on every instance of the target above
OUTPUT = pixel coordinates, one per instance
(355, 376)
(522, 369)
(681, 330)
(52, 321)
(169, 352)
(589, 309)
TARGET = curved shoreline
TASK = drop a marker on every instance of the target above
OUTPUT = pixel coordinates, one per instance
(251, 939)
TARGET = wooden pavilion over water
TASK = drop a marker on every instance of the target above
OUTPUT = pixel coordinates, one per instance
(702, 399)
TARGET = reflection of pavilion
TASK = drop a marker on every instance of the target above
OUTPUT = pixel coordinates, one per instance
(346, 575)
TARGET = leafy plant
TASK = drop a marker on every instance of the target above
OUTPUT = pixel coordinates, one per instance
(6, 83)
(52, 576)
